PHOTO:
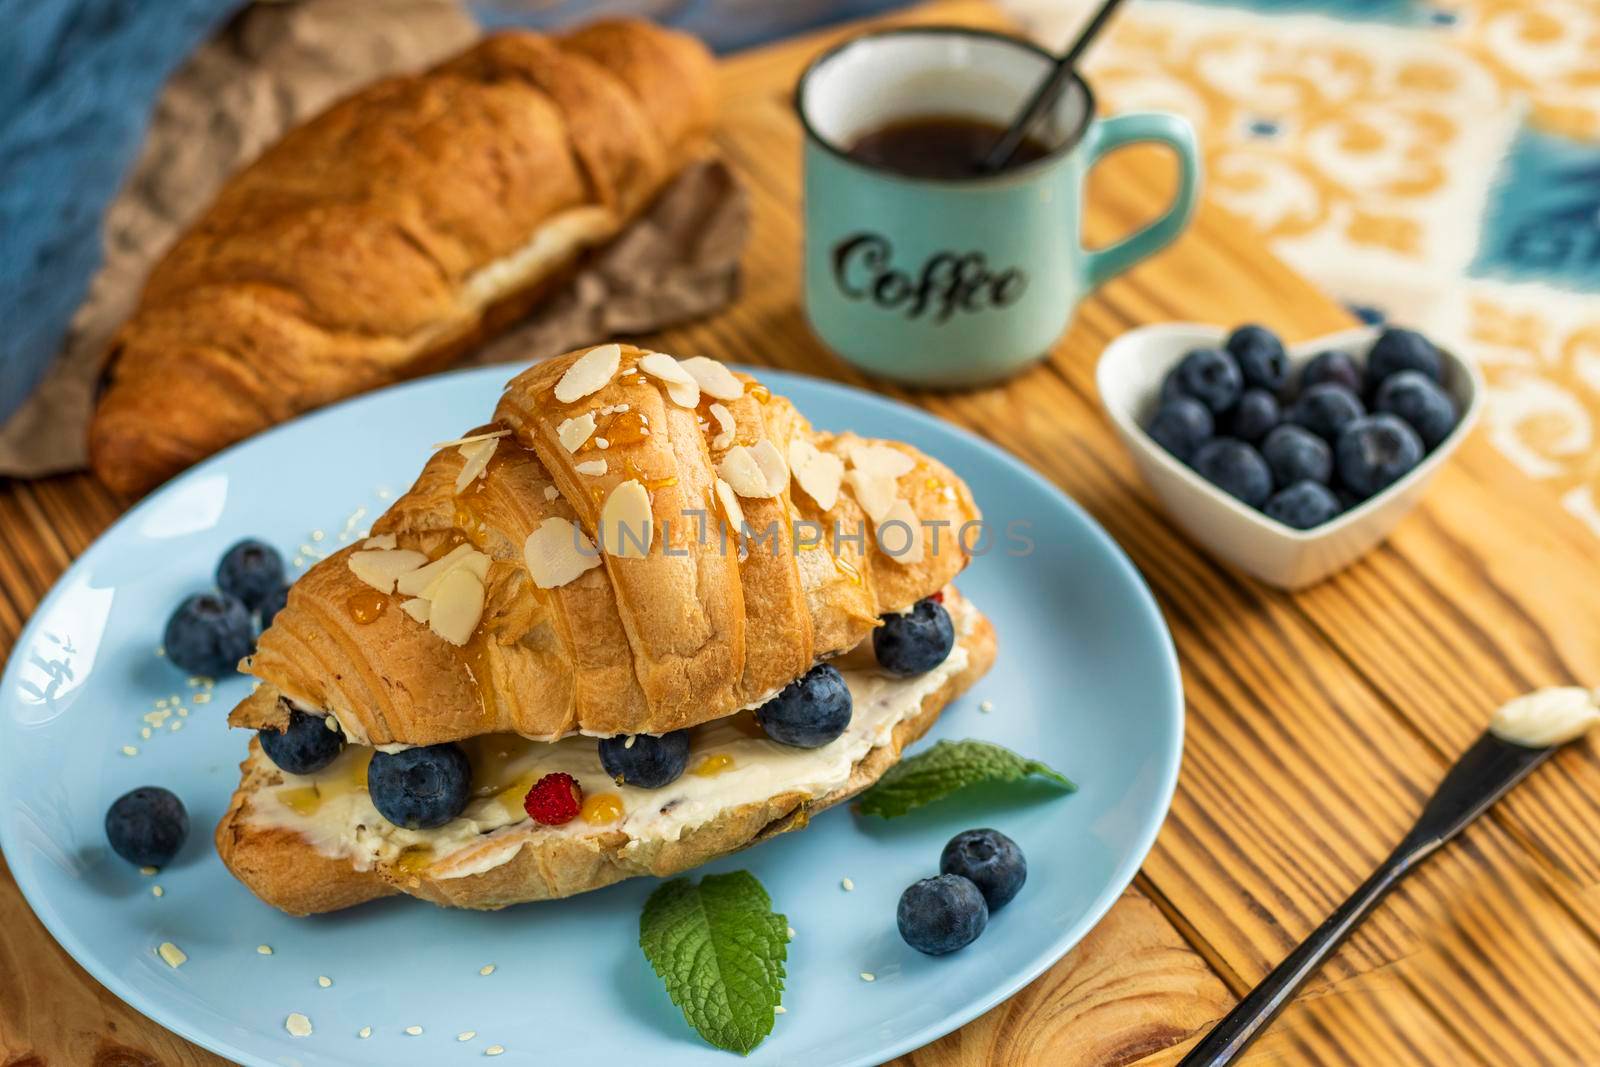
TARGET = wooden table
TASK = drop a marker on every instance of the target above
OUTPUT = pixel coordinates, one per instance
(1317, 722)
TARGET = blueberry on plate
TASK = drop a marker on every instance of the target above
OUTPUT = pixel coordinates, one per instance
(273, 604)
(1180, 425)
(251, 570)
(1396, 350)
(420, 788)
(1326, 409)
(1211, 376)
(989, 860)
(1236, 468)
(939, 915)
(209, 634)
(308, 744)
(1295, 454)
(914, 642)
(810, 711)
(1253, 416)
(1375, 452)
(147, 826)
(1303, 505)
(1262, 361)
(646, 761)
(1418, 400)
(1332, 367)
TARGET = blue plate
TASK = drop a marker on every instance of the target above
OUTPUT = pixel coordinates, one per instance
(1086, 681)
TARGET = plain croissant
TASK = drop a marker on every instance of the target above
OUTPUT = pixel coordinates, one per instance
(393, 232)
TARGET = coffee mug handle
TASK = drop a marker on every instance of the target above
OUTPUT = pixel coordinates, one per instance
(1152, 126)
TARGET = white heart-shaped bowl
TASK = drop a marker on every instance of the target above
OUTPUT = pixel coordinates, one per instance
(1129, 376)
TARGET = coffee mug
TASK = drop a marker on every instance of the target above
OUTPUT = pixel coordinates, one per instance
(954, 283)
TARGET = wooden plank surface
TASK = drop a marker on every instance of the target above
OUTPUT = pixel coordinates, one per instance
(1317, 722)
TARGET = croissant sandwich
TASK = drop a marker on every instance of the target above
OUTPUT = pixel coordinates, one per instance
(644, 617)
(387, 236)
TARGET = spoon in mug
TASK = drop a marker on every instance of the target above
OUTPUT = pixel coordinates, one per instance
(1045, 95)
(1524, 734)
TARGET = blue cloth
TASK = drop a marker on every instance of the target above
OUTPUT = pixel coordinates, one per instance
(78, 79)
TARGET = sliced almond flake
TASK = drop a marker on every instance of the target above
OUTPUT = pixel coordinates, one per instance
(875, 493)
(413, 583)
(682, 389)
(381, 567)
(381, 541)
(819, 473)
(477, 455)
(713, 378)
(172, 955)
(492, 435)
(626, 523)
(725, 426)
(474, 562)
(457, 606)
(881, 460)
(297, 1025)
(741, 471)
(773, 468)
(574, 432)
(593, 468)
(551, 493)
(557, 552)
(904, 543)
(730, 506)
(417, 608)
(589, 374)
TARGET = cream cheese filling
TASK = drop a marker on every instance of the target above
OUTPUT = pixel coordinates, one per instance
(731, 764)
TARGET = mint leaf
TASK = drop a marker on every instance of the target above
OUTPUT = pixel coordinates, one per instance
(719, 949)
(945, 768)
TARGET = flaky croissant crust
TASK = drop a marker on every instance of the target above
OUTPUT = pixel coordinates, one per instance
(388, 235)
(636, 645)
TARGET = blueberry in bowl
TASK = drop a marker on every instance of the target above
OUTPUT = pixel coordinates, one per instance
(1263, 364)
(1236, 468)
(810, 711)
(252, 571)
(989, 860)
(147, 826)
(1295, 454)
(644, 760)
(420, 788)
(209, 634)
(1303, 505)
(1326, 409)
(1180, 425)
(306, 745)
(1253, 417)
(1420, 402)
(916, 641)
(1209, 375)
(1398, 349)
(1334, 367)
(938, 916)
(1375, 452)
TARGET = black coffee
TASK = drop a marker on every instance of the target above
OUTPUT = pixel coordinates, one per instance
(942, 147)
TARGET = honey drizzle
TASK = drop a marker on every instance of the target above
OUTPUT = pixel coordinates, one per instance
(601, 808)
(365, 606)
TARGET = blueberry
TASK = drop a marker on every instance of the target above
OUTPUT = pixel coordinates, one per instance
(1253, 416)
(1295, 454)
(420, 788)
(1180, 425)
(1414, 397)
(1396, 350)
(1376, 451)
(209, 634)
(915, 642)
(273, 604)
(1262, 361)
(940, 915)
(1326, 409)
(810, 711)
(1331, 366)
(646, 762)
(1235, 468)
(1211, 376)
(147, 826)
(989, 860)
(252, 571)
(1303, 505)
(307, 746)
